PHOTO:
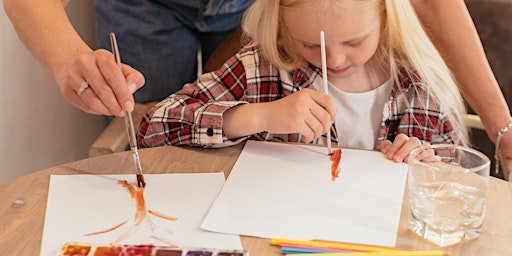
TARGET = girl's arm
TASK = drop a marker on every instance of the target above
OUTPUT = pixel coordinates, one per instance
(454, 34)
(46, 31)
(194, 114)
(307, 112)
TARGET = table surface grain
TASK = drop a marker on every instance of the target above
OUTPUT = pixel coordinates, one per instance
(23, 201)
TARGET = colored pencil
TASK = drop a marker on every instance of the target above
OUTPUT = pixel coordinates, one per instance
(328, 245)
(411, 253)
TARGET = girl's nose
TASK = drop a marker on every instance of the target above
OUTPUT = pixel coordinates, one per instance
(335, 58)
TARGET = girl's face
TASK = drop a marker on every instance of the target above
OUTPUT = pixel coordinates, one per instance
(351, 38)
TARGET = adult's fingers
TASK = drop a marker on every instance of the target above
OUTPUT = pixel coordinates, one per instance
(87, 101)
(90, 103)
(109, 84)
(134, 79)
(98, 98)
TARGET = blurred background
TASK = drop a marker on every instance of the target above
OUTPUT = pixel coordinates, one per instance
(39, 129)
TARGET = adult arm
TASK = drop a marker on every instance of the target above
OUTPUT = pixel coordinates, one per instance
(454, 34)
(45, 30)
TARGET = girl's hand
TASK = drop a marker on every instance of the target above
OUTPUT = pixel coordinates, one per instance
(399, 150)
(308, 112)
(110, 89)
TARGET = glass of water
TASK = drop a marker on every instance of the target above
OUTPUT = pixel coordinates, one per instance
(447, 186)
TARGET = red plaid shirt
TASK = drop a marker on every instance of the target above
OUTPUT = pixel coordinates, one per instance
(193, 115)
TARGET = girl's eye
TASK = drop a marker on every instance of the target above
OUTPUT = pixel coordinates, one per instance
(310, 46)
(355, 44)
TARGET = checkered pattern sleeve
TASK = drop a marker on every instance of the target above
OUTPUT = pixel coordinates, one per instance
(193, 115)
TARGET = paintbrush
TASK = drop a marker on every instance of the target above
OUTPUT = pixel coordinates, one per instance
(326, 83)
(129, 122)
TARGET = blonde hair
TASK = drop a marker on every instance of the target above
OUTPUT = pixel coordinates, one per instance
(403, 44)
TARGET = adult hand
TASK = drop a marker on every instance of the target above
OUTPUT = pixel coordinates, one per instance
(308, 112)
(109, 90)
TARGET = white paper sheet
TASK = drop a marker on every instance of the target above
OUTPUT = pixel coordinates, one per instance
(285, 191)
(82, 204)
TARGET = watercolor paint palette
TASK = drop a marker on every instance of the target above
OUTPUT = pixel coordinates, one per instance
(75, 249)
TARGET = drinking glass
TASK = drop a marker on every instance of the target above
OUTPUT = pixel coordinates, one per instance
(447, 186)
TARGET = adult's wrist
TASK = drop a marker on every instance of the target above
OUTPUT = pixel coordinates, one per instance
(502, 144)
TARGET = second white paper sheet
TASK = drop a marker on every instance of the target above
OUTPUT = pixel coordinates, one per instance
(81, 204)
(286, 191)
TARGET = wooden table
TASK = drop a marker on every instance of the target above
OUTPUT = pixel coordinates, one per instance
(23, 201)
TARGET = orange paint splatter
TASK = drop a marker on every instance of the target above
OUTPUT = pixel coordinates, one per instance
(161, 215)
(335, 158)
(138, 195)
(141, 211)
(107, 230)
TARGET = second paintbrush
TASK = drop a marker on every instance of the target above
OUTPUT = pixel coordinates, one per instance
(129, 122)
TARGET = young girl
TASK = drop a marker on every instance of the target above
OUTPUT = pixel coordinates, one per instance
(389, 88)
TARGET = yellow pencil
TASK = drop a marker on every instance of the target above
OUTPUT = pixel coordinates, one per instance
(411, 253)
(339, 245)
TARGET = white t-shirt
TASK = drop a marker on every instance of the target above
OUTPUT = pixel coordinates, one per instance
(359, 115)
